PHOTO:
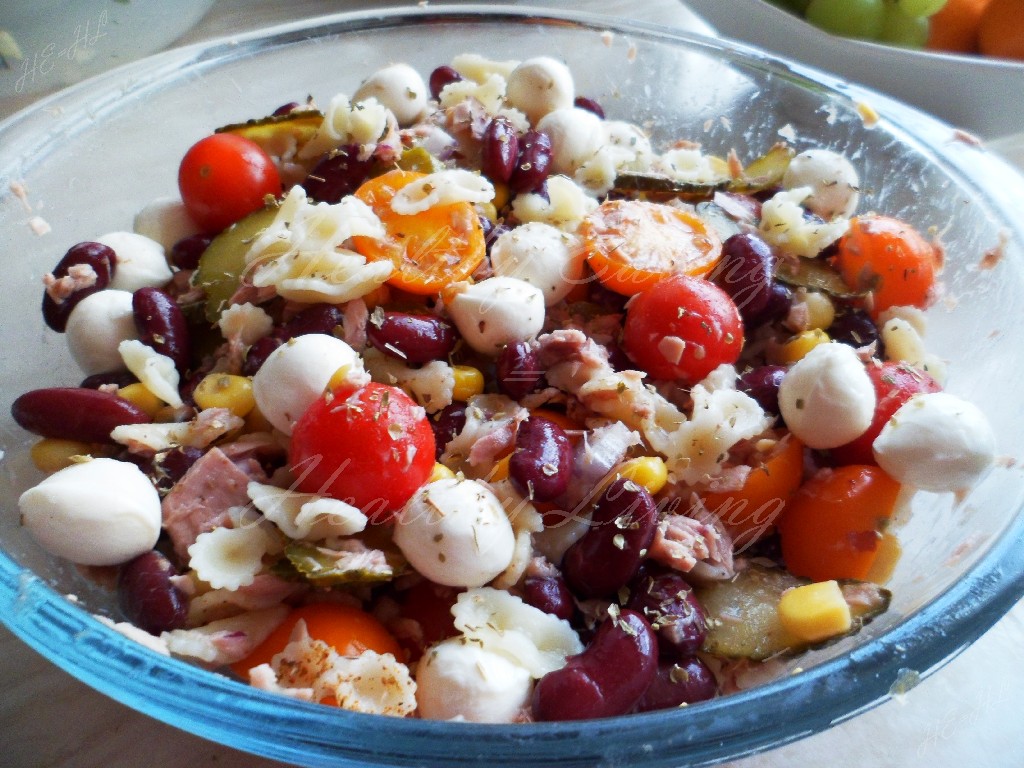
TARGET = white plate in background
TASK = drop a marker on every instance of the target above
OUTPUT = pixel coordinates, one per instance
(983, 96)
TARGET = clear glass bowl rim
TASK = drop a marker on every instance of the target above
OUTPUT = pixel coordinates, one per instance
(744, 723)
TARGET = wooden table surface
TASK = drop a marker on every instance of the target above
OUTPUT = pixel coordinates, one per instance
(967, 715)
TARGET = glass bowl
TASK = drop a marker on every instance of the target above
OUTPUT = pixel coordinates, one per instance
(86, 160)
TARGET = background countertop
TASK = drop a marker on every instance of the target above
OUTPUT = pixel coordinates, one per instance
(967, 714)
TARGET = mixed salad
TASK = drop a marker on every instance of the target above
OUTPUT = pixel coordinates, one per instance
(454, 398)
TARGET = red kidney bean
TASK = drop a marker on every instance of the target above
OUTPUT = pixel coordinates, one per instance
(541, 464)
(411, 338)
(550, 594)
(100, 258)
(686, 681)
(258, 353)
(779, 299)
(856, 328)
(608, 555)
(762, 384)
(319, 318)
(286, 109)
(162, 325)
(169, 467)
(185, 253)
(117, 378)
(518, 370)
(338, 174)
(582, 102)
(447, 423)
(667, 601)
(440, 77)
(534, 162)
(148, 597)
(607, 679)
(499, 149)
(746, 272)
(72, 413)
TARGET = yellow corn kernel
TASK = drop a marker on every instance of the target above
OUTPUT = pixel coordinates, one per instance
(501, 195)
(648, 471)
(500, 470)
(820, 310)
(339, 378)
(225, 390)
(255, 421)
(468, 382)
(52, 454)
(440, 472)
(138, 395)
(798, 346)
(815, 611)
(888, 554)
(488, 211)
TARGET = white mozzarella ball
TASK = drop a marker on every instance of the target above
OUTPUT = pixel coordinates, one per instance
(97, 326)
(398, 87)
(936, 442)
(576, 136)
(497, 311)
(458, 679)
(827, 398)
(539, 86)
(835, 186)
(166, 221)
(455, 532)
(99, 512)
(541, 255)
(141, 262)
(295, 374)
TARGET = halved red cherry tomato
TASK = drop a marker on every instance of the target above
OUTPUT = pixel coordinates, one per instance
(895, 383)
(372, 447)
(225, 177)
(682, 328)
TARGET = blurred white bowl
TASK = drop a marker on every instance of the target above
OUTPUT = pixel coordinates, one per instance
(980, 95)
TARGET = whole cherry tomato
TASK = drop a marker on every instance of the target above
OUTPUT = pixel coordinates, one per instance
(682, 328)
(372, 447)
(224, 177)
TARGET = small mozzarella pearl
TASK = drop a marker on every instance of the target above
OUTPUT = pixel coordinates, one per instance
(295, 374)
(459, 679)
(540, 255)
(539, 86)
(576, 136)
(455, 532)
(141, 262)
(166, 221)
(97, 326)
(835, 186)
(398, 87)
(99, 512)
(497, 311)
(827, 398)
(936, 442)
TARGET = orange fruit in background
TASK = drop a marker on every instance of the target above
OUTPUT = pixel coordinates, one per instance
(955, 27)
(1001, 30)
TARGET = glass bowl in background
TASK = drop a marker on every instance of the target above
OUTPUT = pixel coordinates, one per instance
(84, 161)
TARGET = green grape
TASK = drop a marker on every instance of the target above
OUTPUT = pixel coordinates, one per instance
(922, 8)
(849, 18)
(900, 29)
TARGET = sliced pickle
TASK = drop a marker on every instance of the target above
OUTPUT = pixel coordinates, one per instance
(815, 275)
(419, 160)
(656, 187)
(764, 172)
(223, 262)
(279, 135)
(326, 567)
(743, 618)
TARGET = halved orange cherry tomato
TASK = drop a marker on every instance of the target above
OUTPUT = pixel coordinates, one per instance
(831, 528)
(751, 512)
(632, 244)
(345, 628)
(431, 249)
(889, 258)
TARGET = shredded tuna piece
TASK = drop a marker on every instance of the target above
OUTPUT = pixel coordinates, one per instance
(490, 431)
(266, 591)
(599, 451)
(78, 278)
(203, 499)
(353, 321)
(682, 543)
